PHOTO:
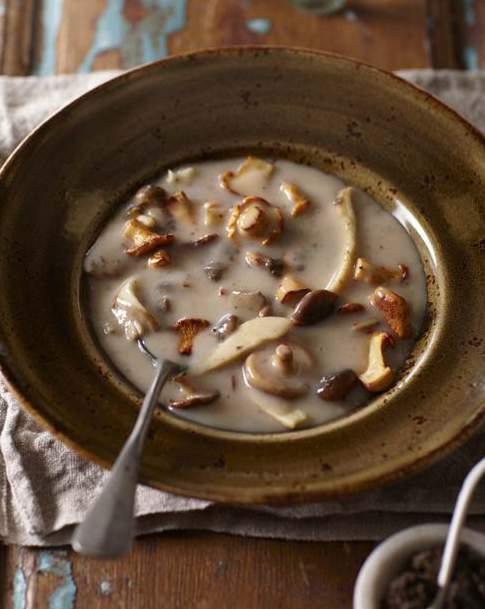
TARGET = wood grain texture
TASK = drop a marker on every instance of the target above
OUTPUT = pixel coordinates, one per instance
(446, 33)
(194, 571)
(474, 38)
(112, 34)
(18, 24)
(388, 34)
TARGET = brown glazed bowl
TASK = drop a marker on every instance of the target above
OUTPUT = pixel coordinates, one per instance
(418, 158)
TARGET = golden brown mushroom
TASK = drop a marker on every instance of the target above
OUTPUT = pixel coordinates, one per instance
(250, 177)
(188, 328)
(395, 310)
(291, 290)
(378, 376)
(143, 239)
(255, 218)
(296, 197)
(370, 273)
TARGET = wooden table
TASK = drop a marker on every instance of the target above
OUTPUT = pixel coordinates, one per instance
(202, 570)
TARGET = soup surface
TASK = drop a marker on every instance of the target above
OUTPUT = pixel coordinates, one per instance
(292, 298)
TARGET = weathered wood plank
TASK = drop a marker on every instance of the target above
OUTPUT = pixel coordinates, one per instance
(75, 36)
(388, 34)
(198, 570)
(446, 32)
(17, 35)
(474, 38)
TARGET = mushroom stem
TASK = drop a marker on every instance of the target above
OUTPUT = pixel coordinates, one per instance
(283, 359)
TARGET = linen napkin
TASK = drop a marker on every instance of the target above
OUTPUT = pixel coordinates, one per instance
(45, 488)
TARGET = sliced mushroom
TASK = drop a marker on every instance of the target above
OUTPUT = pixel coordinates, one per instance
(255, 218)
(159, 259)
(344, 273)
(180, 207)
(378, 376)
(184, 175)
(395, 310)
(349, 308)
(296, 197)
(249, 336)
(226, 325)
(188, 328)
(214, 270)
(191, 395)
(279, 371)
(143, 239)
(370, 273)
(147, 196)
(291, 290)
(247, 303)
(336, 387)
(130, 313)
(279, 409)
(250, 177)
(274, 266)
(213, 213)
(314, 307)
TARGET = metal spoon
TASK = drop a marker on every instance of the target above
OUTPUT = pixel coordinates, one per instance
(108, 528)
(453, 538)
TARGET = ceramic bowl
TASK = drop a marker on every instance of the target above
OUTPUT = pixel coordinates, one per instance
(389, 558)
(417, 157)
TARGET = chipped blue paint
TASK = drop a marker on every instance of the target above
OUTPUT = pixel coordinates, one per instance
(140, 42)
(259, 26)
(106, 587)
(19, 589)
(51, 20)
(471, 58)
(469, 11)
(56, 563)
(110, 31)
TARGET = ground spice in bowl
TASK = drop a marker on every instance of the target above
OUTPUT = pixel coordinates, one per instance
(415, 586)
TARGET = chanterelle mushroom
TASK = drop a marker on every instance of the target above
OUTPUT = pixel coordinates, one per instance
(130, 313)
(378, 376)
(370, 273)
(279, 371)
(143, 239)
(255, 218)
(296, 197)
(344, 273)
(249, 178)
(188, 328)
(395, 310)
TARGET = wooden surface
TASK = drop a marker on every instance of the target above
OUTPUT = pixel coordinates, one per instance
(202, 570)
(189, 571)
(62, 36)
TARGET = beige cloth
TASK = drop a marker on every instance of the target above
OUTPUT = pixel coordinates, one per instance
(45, 487)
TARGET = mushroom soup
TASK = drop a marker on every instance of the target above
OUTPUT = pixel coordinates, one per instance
(291, 297)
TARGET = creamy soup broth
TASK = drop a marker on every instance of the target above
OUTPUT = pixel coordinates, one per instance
(200, 281)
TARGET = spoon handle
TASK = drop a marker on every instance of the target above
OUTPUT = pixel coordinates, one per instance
(108, 528)
(452, 545)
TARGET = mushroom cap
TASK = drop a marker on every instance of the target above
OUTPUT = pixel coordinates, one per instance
(279, 371)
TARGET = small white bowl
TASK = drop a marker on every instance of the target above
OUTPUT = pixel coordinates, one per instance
(388, 559)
